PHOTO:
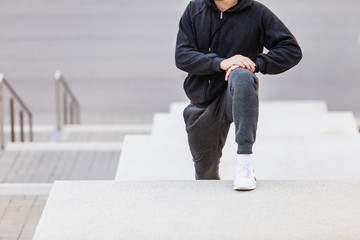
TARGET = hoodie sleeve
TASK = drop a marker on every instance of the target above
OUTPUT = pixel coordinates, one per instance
(187, 57)
(284, 51)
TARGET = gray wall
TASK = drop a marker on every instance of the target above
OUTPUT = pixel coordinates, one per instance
(118, 56)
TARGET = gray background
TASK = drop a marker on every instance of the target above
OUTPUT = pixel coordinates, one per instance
(118, 56)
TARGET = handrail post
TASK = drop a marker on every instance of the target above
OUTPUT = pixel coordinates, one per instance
(23, 108)
(58, 100)
(65, 108)
(12, 119)
(78, 114)
(66, 103)
(2, 137)
(31, 129)
(71, 113)
(21, 116)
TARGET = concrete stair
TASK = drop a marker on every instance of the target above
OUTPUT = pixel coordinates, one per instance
(200, 210)
(275, 118)
(27, 170)
(21, 207)
(277, 157)
(80, 133)
(272, 123)
(101, 132)
(290, 107)
(31, 166)
(77, 152)
(297, 137)
(306, 163)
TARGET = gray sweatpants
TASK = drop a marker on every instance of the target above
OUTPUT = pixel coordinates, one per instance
(207, 126)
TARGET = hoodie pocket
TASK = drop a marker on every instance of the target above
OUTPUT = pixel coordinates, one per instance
(195, 88)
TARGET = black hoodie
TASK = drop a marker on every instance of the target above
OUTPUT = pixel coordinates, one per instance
(207, 36)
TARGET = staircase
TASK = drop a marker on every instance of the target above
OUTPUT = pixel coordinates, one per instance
(30, 163)
(306, 161)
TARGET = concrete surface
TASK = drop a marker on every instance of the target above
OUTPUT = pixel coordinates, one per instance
(100, 132)
(273, 123)
(24, 189)
(275, 157)
(201, 210)
(47, 166)
(19, 215)
(293, 106)
(64, 146)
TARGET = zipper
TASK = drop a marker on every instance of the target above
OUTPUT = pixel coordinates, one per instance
(210, 40)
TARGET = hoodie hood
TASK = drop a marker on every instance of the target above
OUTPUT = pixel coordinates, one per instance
(241, 5)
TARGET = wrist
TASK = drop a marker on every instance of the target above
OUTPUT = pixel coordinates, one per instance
(223, 65)
(215, 64)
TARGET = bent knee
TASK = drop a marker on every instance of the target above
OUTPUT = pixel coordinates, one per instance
(241, 73)
(243, 78)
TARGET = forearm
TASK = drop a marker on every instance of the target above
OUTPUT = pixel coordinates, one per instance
(278, 60)
(197, 63)
(284, 50)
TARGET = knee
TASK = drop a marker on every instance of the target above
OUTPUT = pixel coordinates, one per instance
(242, 78)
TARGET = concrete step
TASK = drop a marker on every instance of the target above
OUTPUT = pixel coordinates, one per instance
(46, 166)
(79, 133)
(20, 212)
(64, 146)
(101, 133)
(95, 118)
(272, 106)
(13, 189)
(340, 123)
(139, 128)
(275, 157)
(41, 133)
(200, 210)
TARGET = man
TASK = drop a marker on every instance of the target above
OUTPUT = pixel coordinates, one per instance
(220, 44)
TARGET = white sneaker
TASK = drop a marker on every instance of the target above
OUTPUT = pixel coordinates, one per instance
(245, 179)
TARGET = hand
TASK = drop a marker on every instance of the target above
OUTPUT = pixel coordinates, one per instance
(231, 69)
(238, 60)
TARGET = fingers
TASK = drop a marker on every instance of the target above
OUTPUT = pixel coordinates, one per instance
(230, 70)
(248, 64)
(252, 66)
(245, 62)
(237, 61)
(240, 60)
(252, 69)
(233, 67)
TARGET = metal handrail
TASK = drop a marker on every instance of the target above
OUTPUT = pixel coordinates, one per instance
(74, 109)
(14, 95)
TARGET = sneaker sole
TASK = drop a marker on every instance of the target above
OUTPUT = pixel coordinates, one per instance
(245, 188)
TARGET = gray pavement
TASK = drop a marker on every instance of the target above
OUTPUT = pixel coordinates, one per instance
(19, 215)
(118, 56)
(48, 166)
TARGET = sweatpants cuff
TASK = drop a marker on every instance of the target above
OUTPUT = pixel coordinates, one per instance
(245, 148)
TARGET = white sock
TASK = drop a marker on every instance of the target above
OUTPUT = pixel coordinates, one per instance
(242, 160)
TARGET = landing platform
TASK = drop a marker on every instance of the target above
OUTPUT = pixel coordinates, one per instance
(201, 210)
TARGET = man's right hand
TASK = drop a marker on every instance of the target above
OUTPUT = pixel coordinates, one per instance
(239, 60)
